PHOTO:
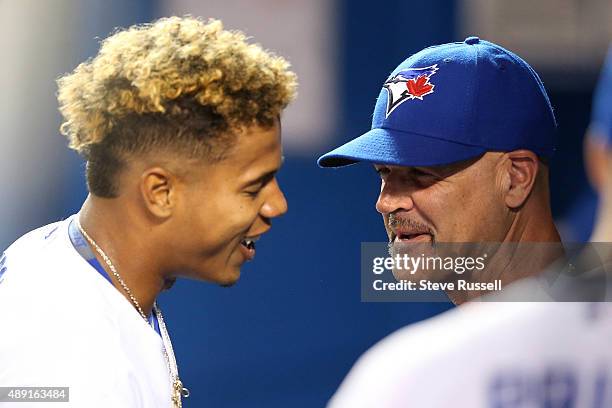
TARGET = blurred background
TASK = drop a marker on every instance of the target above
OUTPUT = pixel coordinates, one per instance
(289, 331)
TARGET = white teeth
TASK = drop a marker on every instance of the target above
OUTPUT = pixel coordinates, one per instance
(250, 241)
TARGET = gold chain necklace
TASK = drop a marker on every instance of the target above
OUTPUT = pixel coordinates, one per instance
(178, 390)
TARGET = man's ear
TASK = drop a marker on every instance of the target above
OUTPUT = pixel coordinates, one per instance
(522, 171)
(158, 190)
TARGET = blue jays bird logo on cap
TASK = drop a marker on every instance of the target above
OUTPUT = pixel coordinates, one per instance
(407, 84)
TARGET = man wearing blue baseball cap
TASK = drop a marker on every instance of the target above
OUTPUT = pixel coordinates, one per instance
(507, 354)
(461, 135)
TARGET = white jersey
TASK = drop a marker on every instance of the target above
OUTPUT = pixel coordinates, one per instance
(490, 355)
(62, 324)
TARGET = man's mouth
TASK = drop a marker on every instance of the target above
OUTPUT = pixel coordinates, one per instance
(413, 237)
(247, 247)
(403, 230)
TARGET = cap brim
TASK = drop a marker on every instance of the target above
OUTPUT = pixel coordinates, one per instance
(384, 146)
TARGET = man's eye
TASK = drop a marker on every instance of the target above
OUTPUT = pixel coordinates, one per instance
(421, 173)
(253, 193)
(382, 171)
(254, 190)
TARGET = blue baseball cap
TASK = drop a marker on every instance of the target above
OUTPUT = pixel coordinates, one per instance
(453, 102)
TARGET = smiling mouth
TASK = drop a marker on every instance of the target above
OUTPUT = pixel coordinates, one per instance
(249, 243)
(247, 247)
(413, 237)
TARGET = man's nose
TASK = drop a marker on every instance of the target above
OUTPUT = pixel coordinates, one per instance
(394, 195)
(276, 204)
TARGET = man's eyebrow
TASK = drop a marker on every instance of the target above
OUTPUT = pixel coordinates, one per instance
(266, 176)
(263, 179)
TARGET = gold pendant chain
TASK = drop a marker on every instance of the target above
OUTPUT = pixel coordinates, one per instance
(113, 270)
(178, 390)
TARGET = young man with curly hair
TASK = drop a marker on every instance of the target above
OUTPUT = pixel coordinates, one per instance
(179, 123)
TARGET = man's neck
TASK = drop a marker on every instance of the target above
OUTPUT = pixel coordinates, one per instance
(531, 245)
(126, 242)
(533, 223)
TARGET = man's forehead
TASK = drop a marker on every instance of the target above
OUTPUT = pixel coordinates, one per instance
(448, 168)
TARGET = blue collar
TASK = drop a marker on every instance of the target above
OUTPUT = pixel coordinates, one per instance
(82, 246)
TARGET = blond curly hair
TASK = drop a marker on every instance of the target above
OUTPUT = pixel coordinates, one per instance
(178, 83)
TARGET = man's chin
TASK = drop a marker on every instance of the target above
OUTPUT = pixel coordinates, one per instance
(420, 274)
(225, 277)
(229, 278)
(228, 284)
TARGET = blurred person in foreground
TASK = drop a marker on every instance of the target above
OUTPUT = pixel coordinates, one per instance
(179, 123)
(461, 136)
(502, 353)
(597, 150)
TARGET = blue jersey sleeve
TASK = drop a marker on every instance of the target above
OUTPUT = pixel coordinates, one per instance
(601, 116)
